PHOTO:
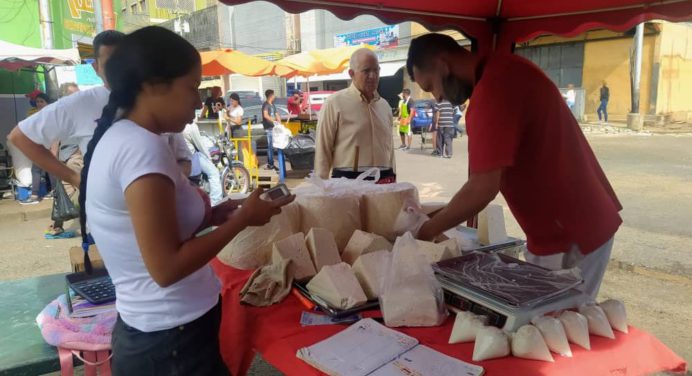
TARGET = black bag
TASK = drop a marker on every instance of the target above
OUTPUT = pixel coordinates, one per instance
(63, 208)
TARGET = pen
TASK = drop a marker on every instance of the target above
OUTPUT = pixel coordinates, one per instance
(303, 300)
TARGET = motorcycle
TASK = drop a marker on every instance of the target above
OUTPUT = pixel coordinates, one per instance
(235, 178)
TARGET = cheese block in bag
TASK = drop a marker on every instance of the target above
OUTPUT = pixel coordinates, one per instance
(370, 269)
(598, 321)
(466, 327)
(616, 313)
(362, 242)
(252, 247)
(338, 286)
(491, 343)
(322, 247)
(293, 248)
(338, 214)
(381, 208)
(528, 343)
(554, 334)
(577, 328)
(436, 252)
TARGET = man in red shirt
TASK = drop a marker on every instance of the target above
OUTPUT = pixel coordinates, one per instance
(530, 148)
(295, 103)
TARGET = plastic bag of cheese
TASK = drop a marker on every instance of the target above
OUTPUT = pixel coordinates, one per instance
(252, 247)
(616, 313)
(577, 328)
(383, 204)
(598, 322)
(491, 343)
(528, 343)
(466, 327)
(412, 296)
(554, 334)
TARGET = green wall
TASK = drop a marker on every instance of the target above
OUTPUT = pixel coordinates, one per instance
(19, 25)
(66, 24)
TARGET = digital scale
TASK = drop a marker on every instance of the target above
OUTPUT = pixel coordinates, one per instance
(508, 291)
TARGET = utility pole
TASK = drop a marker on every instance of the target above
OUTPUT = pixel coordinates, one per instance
(46, 24)
(634, 118)
(98, 16)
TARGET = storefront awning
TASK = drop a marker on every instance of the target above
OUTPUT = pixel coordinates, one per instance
(14, 56)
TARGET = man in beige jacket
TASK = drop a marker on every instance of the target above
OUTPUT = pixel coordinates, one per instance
(354, 132)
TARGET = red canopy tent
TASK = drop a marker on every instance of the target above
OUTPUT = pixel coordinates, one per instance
(500, 23)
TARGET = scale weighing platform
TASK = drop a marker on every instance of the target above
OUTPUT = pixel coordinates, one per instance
(508, 291)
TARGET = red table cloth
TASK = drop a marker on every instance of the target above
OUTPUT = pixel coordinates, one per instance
(275, 333)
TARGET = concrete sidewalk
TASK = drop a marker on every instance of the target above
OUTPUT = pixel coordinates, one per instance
(12, 211)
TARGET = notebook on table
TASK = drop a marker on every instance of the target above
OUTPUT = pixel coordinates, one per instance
(370, 348)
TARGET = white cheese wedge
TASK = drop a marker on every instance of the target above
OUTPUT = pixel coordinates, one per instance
(294, 249)
(362, 242)
(338, 286)
(322, 247)
(436, 252)
(491, 225)
(371, 269)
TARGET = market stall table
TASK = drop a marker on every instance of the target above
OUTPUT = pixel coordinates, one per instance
(275, 333)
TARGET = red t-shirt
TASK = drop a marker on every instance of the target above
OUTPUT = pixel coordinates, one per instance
(517, 120)
(293, 106)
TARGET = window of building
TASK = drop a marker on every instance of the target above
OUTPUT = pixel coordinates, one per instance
(143, 6)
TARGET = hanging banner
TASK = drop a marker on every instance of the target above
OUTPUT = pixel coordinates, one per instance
(381, 37)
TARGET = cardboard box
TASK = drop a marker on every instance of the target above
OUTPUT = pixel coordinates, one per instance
(77, 258)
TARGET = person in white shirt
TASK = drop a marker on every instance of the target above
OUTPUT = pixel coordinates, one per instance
(72, 120)
(144, 214)
(202, 160)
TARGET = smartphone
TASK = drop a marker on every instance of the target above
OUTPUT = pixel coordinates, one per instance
(276, 193)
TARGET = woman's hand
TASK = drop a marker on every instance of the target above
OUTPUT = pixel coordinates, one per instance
(221, 212)
(257, 212)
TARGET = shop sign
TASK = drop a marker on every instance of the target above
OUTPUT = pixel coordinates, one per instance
(381, 37)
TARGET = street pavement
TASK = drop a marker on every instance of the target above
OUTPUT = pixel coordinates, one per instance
(651, 265)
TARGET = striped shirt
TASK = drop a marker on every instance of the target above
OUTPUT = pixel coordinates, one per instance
(446, 111)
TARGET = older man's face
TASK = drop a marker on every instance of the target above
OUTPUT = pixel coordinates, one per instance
(366, 74)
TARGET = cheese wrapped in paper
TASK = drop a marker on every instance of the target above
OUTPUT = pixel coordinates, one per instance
(252, 247)
(339, 214)
(528, 343)
(382, 207)
(293, 248)
(362, 242)
(338, 286)
(322, 247)
(371, 269)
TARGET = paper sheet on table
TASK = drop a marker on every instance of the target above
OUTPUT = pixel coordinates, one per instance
(358, 350)
(424, 361)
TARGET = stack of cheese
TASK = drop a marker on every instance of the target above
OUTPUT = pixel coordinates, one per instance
(544, 334)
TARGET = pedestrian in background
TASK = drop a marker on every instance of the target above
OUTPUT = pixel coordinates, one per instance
(269, 116)
(41, 100)
(405, 115)
(354, 132)
(444, 118)
(604, 97)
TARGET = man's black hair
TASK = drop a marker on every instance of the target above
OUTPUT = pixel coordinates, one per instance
(43, 96)
(268, 93)
(429, 45)
(107, 38)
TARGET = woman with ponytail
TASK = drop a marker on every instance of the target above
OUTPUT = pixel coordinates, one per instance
(143, 213)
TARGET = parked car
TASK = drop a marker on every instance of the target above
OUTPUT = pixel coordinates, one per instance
(422, 117)
(316, 99)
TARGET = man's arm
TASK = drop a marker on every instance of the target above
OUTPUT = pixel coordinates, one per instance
(324, 145)
(476, 194)
(43, 157)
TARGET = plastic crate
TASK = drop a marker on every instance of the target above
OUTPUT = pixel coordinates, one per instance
(302, 161)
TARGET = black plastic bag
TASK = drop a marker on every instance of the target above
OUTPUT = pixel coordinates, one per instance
(63, 208)
(301, 144)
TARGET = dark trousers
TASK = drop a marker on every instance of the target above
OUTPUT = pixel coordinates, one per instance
(445, 136)
(603, 110)
(190, 349)
(36, 174)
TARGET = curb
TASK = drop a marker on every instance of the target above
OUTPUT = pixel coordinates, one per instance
(648, 272)
(19, 217)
